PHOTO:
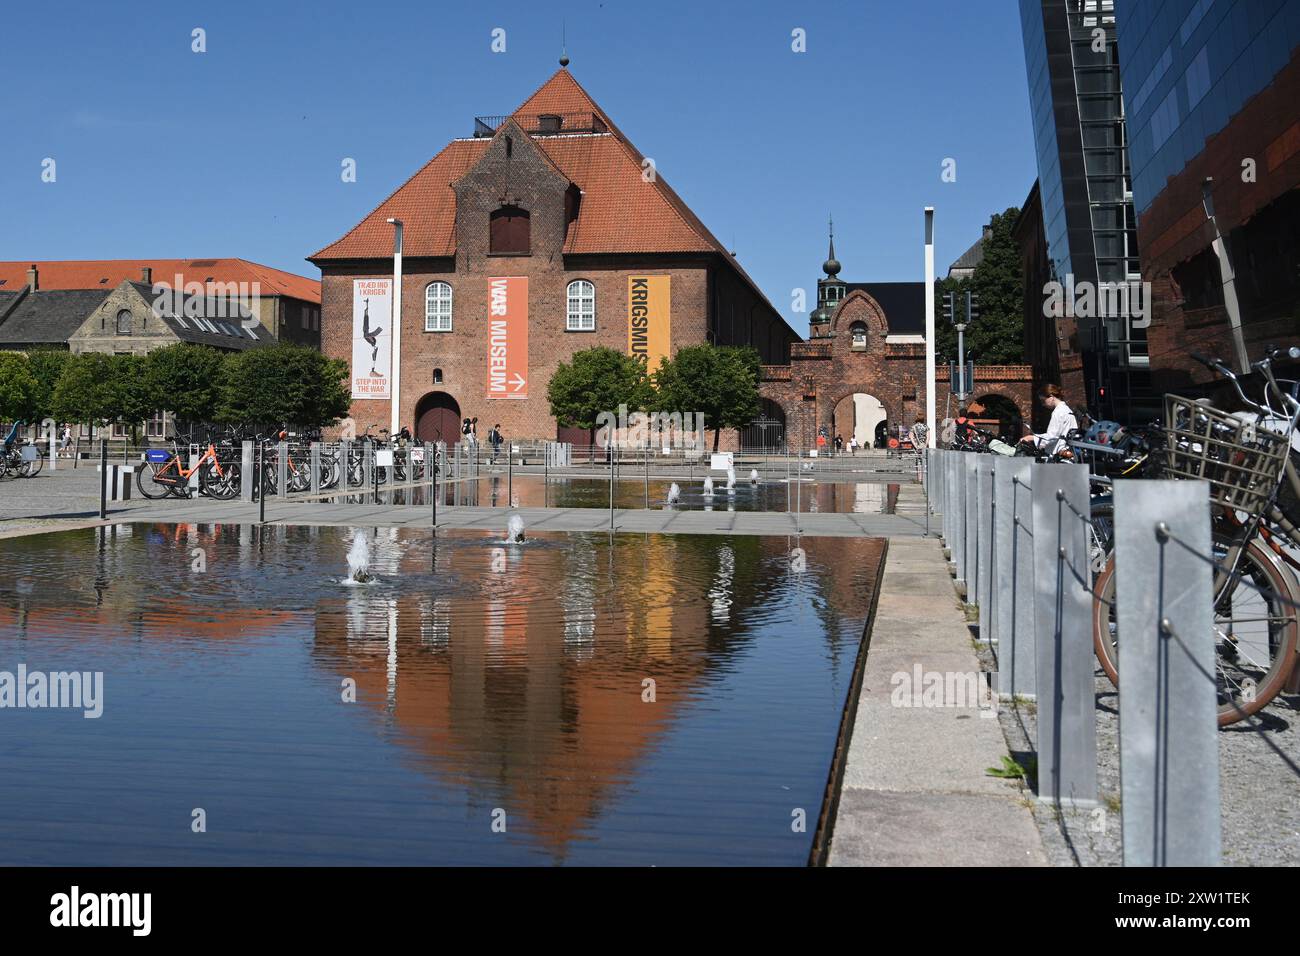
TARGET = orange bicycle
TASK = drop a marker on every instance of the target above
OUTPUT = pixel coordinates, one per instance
(162, 473)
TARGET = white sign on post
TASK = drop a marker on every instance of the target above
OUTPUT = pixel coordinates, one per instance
(720, 461)
(384, 457)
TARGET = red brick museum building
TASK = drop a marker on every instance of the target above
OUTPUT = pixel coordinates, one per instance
(556, 195)
(547, 232)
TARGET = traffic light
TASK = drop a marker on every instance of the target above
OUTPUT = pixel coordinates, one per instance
(949, 307)
(972, 307)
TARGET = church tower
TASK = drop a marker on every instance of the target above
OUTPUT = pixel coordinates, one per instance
(830, 291)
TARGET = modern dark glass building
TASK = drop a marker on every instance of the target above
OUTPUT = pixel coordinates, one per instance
(1077, 107)
(1213, 93)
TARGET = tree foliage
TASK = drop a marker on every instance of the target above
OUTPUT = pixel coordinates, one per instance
(290, 384)
(186, 380)
(17, 386)
(597, 380)
(719, 381)
(997, 335)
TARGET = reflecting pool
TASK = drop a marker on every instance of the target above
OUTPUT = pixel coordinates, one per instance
(626, 700)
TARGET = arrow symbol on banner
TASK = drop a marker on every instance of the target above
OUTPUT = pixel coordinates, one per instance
(519, 381)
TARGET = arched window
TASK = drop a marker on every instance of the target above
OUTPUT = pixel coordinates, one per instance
(437, 307)
(124, 322)
(581, 316)
(509, 231)
(858, 336)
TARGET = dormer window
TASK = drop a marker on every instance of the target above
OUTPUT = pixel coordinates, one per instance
(858, 337)
(509, 231)
(549, 123)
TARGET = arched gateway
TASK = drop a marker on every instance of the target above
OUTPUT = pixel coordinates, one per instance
(864, 364)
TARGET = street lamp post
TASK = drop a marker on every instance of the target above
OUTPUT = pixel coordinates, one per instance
(394, 425)
(929, 326)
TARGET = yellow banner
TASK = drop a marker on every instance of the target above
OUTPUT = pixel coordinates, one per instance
(649, 318)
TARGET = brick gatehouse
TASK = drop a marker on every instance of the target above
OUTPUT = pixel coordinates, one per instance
(864, 366)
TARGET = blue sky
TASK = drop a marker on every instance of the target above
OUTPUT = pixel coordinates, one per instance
(162, 152)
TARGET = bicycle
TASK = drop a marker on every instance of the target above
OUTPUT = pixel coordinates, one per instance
(1247, 463)
(162, 474)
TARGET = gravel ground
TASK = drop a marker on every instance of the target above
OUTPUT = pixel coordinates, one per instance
(1259, 779)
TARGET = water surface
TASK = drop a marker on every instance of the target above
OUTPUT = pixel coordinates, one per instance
(494, 683)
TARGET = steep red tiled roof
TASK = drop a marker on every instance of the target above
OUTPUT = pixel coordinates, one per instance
(426, 205)
(107, 274)
(620, 211)
(560, 94)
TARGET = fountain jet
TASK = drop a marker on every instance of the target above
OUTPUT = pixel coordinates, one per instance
(359, 559)
(515, 530)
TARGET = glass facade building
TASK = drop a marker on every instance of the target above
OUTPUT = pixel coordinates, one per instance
(1077, 110)
(1189, 67)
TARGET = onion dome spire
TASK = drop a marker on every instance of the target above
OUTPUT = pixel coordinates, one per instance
(832, 265)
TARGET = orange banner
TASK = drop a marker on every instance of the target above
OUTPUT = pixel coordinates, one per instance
(649, 319)
(508, 337)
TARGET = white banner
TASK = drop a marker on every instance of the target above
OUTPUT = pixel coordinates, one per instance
(372, 337)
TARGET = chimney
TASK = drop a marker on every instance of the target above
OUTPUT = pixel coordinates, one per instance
(146, 275)
(988, 231)
(32, 278)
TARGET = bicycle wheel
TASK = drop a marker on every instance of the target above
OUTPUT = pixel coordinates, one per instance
(1254, 632)
(222, 485)
(30, 469)
(158, 480)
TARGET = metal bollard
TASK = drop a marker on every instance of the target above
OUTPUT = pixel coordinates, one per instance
(1067, 719)
(970, 536)
(315, 469)
(987, 559)
(246, 471)
(1014, 541)
(1169, 738)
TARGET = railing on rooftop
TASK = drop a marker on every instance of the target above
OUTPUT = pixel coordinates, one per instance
(542, 123)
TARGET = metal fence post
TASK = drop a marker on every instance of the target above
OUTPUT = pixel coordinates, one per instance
(1014, 578)
(261, 482)
(345, 470)
(970, 518)
(986, 551)
(246, 474)
(1067, 720)
(315, 468)
(103, 480)
(282, 469)
(1169, 739)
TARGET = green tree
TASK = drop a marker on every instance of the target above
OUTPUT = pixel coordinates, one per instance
(185, 379)
(997, 335)
(17, 386)
(85, 390)
(598, 380)
(720, 382)
(47, 366)
(283, 384)
(132, 400)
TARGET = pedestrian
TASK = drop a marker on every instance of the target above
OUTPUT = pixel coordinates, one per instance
(839, 444)
(920, 433)
(65, 441)
(962, 428)
(853, 446)
(1063, 421)
(494, 437)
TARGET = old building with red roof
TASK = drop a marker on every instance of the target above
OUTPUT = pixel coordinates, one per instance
(597, 249)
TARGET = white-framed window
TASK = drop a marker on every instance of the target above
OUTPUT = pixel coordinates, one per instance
(156, 426)
(581, 315)
(437, 307)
